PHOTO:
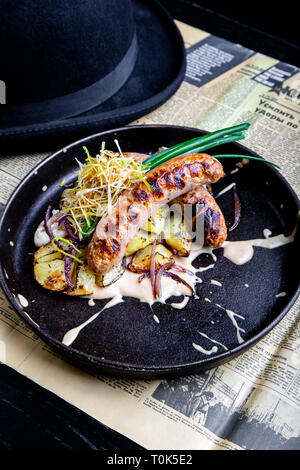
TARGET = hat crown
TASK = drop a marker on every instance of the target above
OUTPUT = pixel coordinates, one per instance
(56, 47)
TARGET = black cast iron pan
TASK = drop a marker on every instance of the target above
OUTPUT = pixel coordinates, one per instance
(125, 340)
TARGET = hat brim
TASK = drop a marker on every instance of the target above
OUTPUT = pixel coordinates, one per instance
(158, 72)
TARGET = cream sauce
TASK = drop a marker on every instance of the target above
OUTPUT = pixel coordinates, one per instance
(225, 190)
(281, 294)
(232, 316)
(199, 348)
(72, 334)
(267, 233)
(241, 252)
(238, 252)
(36, 324)
(182, 304)
(23, 301)
(245, 161)
(41, 237)
(216, 283)
(213, 340)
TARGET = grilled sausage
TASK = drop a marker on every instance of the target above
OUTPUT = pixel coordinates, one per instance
(135, 205)
(215, 230)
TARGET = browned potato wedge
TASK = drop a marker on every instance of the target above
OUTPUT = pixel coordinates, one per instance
(45, 253)
(141, 261)
(177, 235)
(140, 241)
(84, 281)
(49, 268)
(51, 274)
(103, 280)
(156, 222)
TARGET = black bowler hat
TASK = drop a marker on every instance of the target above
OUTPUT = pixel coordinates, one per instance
(75, 67)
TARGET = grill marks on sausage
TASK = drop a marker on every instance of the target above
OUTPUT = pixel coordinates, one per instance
(215, 230)
(167, 182)
(140, 195)
(212, 224)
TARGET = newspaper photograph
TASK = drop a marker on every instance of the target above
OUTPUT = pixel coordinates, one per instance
(253, 401)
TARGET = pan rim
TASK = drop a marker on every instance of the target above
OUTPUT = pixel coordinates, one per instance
(112, 366)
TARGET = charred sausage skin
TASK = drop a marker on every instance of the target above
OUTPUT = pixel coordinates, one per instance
(166, 182)
(215, 230)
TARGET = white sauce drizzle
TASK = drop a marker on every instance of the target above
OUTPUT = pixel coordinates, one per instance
(41, 237)
(212, 340)
(199, 348)
(11, 243)
(267, 233)
(245, 161)
(241, 252)
(234, 171)
(281, 294)
(31, 319)
(225, 190)
(44, 188)
(238, 252)
(23, 301)
(232, 316)
(72, 334)
(182, 304)
(91, 303)
(216, 283)
(155, 318)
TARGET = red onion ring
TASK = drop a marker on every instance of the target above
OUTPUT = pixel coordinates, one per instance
(46, 222)
(152, 268)
(69, 230)
(182, 270)
(158, 275)
(177, 278)
(237, 209)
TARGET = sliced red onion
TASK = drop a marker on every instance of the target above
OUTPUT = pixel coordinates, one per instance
(237, 209)
(46, 223)
(182, 270)
(69, 230)
(143, 276)
(68, 266)
(61, 221)
(152, 268)
(158, 275)
(177, 278)
(56, 217)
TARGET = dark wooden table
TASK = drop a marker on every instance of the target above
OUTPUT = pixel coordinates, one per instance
(30, 416)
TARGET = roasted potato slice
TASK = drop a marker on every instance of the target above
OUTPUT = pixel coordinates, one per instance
(156, 222)
(141, 261)
(177, 235)
(140, 241)
(103, 280)
(84, 281)
(49, 268)
(51, 274)
(46, 253)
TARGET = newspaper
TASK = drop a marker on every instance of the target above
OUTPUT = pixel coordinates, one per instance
(252, 402)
